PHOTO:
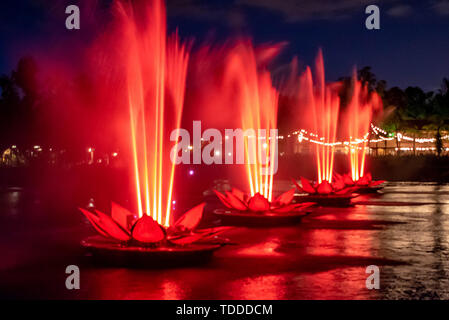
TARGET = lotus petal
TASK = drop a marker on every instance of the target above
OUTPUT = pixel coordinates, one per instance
(215, 230)
(209, 232)
(223, 199)
(190, 219)
(348, 190)
(235, 202)
(363, 181)
(258, 203)
(304, 205)
(289, 208)
(324, 188)
(376, 183)
(307, 187)
(198, 235)
(120, 215)
(95, 222)
(147, 230)
(369, 176)
(294, 207)
(297, 186)
(348, 180)
(239, 194)
(186, 238)
(338, 184)
(112, 228)
(286, 198)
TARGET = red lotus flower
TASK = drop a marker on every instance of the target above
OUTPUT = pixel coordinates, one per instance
(238, 200)
(122, 226)
(365, 181)
(324, 188)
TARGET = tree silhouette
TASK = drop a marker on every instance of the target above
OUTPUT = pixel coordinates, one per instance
(19, 93)
(438, 115)
(368, 78)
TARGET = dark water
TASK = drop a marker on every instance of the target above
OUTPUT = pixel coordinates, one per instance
(404, 231)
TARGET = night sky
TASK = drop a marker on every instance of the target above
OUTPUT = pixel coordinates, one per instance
(410, 49)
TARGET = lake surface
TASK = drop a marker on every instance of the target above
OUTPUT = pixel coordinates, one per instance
(404, 231)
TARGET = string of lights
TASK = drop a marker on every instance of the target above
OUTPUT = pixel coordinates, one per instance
(382, 135)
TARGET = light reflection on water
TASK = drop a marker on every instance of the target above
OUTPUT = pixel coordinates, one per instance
(324, 257)
(9, 202)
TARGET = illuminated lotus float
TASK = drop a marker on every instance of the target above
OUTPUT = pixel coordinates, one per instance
(126, 240)
(258, 211)
(336, 193)
(365, 184)
(153, 67)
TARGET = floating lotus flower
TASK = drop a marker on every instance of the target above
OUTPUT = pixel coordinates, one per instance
(337, 187)
(124, 228)
(240, 201)
(365, 181)
(325, 193)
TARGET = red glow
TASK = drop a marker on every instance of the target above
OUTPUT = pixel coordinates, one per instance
(322, 103)
(155, 68)
(365, 181)
(358, 117)
(235, 76)
(257, 103)
(258, 203)
(325, 188)
(145, 230)
(240, 201)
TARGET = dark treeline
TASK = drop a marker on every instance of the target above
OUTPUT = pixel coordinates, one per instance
(19, 103)
(411, 110)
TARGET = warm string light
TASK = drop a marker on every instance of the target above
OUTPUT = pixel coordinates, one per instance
(400, 136)
(303, 135)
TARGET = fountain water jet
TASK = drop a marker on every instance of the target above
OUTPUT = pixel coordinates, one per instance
(256, 101)
(324, 103)
(155, 76)
(359, 116)
(321, 104)
(357, 120)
